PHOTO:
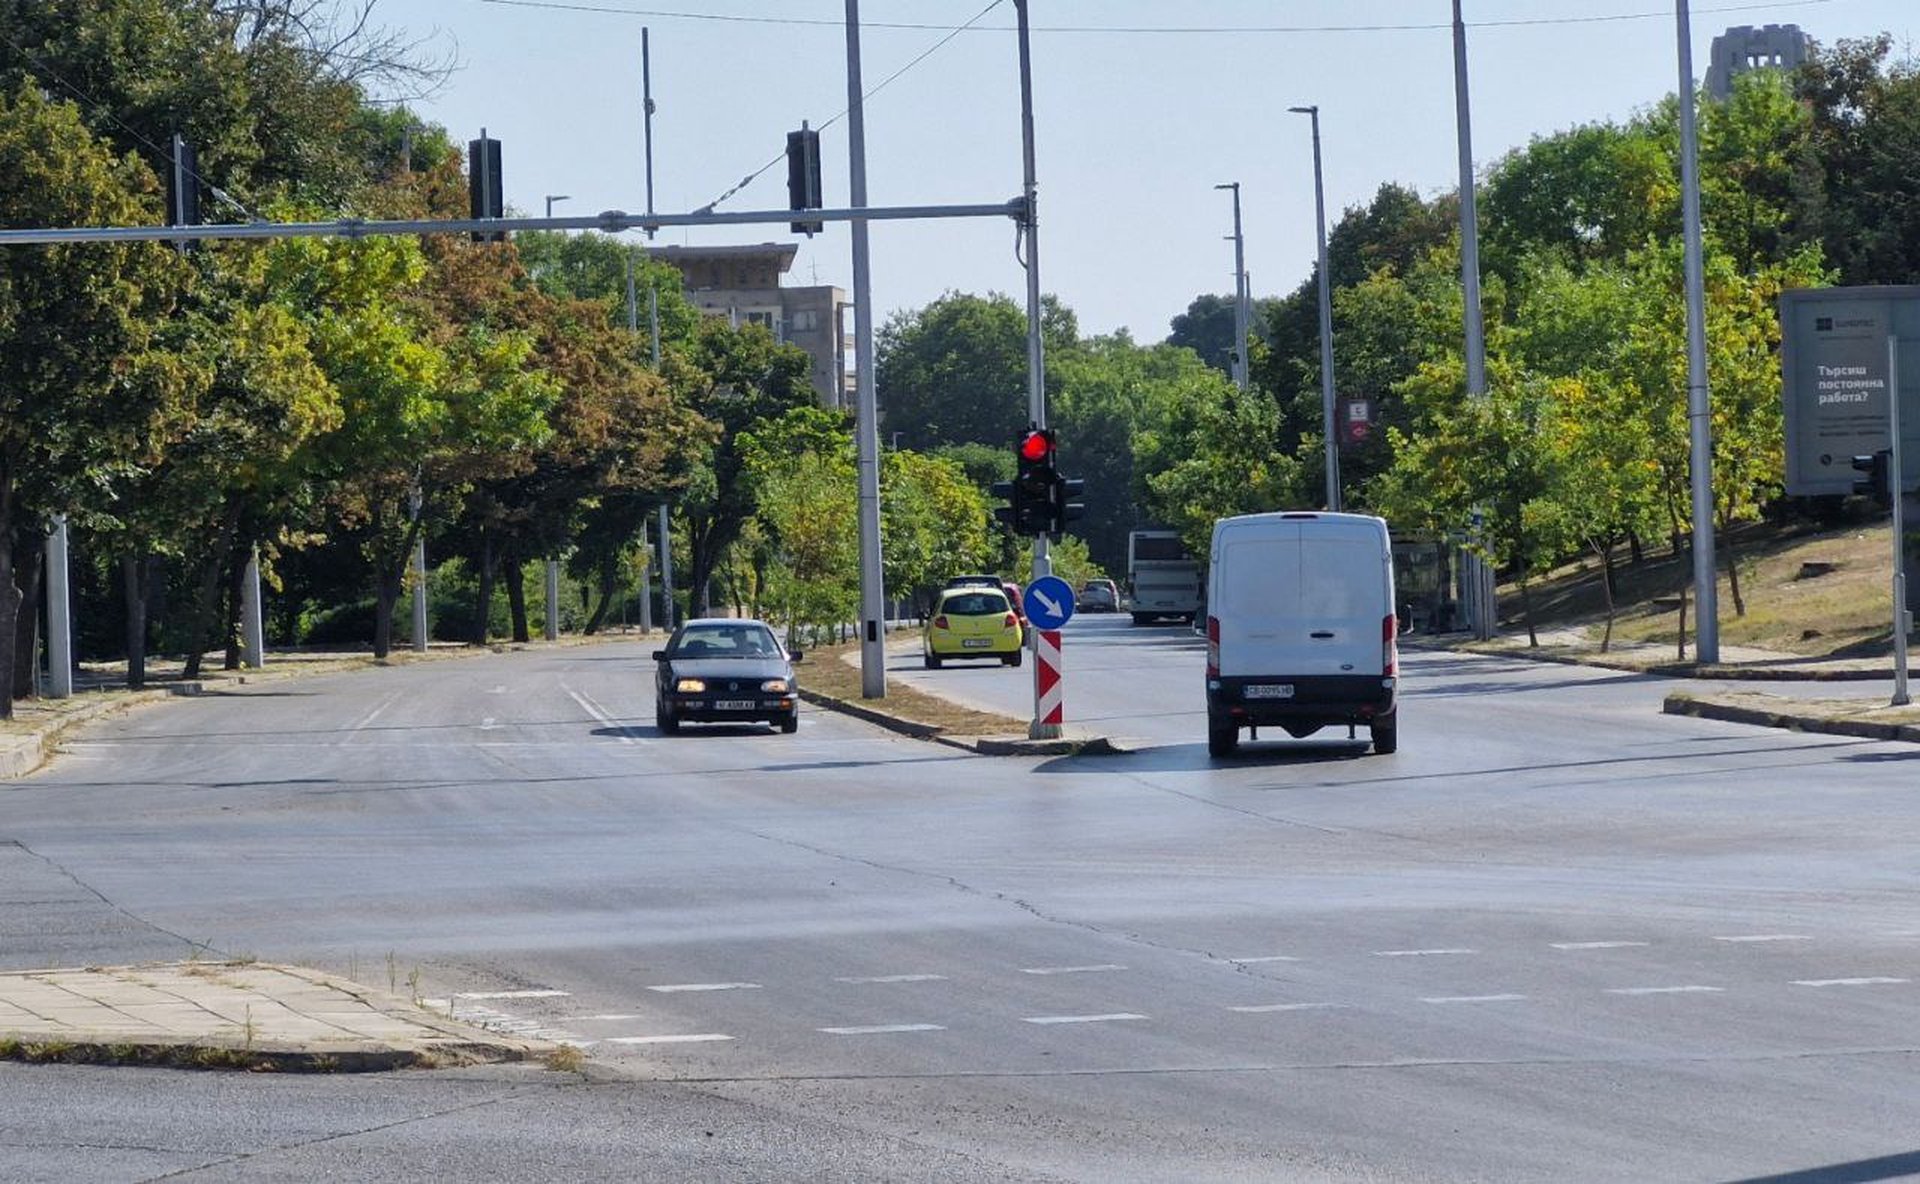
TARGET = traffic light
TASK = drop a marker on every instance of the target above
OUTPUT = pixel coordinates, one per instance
(803, 177)
(1009, 514)
(1877, 482)
(1062, 508)
(1033, 483)
(484, 194)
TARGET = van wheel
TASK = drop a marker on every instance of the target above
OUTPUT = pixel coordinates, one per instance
(1386, 734)
(1222, 741)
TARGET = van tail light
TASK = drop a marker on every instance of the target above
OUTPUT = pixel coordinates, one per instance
(940, 622)
(1011, 621)
(1213, 647)
(1389, 653)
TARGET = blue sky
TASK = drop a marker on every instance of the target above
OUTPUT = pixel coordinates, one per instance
(1134, 128)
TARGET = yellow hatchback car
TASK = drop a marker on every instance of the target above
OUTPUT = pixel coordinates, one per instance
(972, 622)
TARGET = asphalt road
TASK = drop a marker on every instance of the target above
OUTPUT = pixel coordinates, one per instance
(1557, 936)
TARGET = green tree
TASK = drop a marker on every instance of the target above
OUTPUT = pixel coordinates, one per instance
(955, 372)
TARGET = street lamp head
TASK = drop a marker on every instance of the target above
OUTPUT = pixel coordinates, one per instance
(1228, 185)
(1304, 110)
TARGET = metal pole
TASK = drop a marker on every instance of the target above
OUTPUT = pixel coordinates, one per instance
(1038, 729)
(1902, 617)
(59, 617)
(253, 637)
(1699, 405)
(646, 96)
(873, 650)
(420, 594)
(553, 600)
(1328, 417)
(1239, 355)
(1480, 594)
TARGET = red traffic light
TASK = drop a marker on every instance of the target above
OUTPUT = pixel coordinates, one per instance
(1035, 447)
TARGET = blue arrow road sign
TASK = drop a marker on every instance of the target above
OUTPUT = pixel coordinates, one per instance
(1049, 602)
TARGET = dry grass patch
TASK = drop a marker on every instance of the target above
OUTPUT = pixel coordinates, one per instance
(827, 671)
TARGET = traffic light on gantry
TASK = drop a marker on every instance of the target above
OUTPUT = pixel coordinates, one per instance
(803, 177)
(1876, 479)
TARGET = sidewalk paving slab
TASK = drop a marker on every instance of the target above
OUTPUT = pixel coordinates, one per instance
(259, 1016)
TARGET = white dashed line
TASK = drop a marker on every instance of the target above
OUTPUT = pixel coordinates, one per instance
(1596, 945)
(608, 1018)
(1847, 982)
(1262, 958)
(1070, 969)
(881, 1029)
(510, 994)
(597, 712)
(1690, 988)
(1419, 953)
(895, 978)
(488, 724)
(694, 1038)
(670, 988)
(1257, 1008)
(1758, 937)
(1081, 1019)
(1474, 999)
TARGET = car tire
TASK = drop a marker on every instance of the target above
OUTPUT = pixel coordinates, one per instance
(1012, 659)
(1386, 733)
(1141, 618)
(668, 725)
(932, 661)
(1222, 740)
(790, 724)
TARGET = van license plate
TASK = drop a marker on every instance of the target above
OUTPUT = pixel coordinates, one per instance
(734, 705)
(1270, 690)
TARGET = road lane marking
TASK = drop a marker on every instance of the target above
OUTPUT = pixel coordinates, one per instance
(692, 1038)
(599, 1018)
(1847, 982)
(881, 1029)
(668, 988)
(366, 721)
(894, 978)
(1254, 961)
(1473, 999)
(510, 994)
(1759, 937)
(597, 712)
(1257, 1008)
(1081, 1019)
(1596, 945)
(488, 724)
(1071, 969)
(1419, 953)
(1690, 988)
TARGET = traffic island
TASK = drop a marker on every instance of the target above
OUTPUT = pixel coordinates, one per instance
(254, 1016)
(1839, 717)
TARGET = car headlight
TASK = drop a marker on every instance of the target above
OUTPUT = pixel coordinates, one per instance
(690, 686)
(775, 686)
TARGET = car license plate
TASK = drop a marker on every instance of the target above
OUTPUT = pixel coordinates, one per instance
(734, 704)
(1270, 690)
(976, 643)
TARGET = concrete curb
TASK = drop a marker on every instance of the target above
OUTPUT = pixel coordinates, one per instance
(26, 752)
(1715, 673)
(1682, 703)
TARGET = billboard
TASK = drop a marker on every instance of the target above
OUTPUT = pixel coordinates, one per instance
(1834, 380)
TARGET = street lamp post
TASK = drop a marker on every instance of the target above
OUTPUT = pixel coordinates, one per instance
(1326, 316)
(552, 630)
(1241, 314)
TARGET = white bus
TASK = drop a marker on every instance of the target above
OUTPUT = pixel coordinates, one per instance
(1163, 580)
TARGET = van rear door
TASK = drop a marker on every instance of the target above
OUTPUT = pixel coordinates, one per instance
(1301, 597)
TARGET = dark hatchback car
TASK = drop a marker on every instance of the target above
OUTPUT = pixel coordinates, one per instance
(723, 670)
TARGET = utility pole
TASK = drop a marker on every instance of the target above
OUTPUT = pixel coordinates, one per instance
(552, 630)
(1479, 590)
(1241, 314)
(653, 320)
(59, 617)
(873, 651)
(416, 501)
(1328, 418)
(253, 638)
(1706, 594)
(1897, 486)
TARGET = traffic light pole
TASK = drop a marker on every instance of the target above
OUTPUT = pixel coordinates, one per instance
(1039, 728)
(1902, 617)
(873, 644)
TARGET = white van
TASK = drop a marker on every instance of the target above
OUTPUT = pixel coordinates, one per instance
(1300, 627)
